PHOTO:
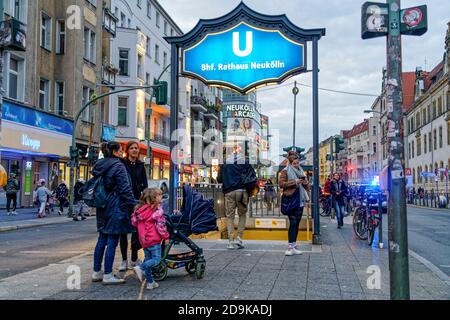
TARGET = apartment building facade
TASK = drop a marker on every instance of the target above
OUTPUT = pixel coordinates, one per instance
(46, 86)
(428, 126)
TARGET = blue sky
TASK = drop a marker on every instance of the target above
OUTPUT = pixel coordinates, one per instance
(346, 62)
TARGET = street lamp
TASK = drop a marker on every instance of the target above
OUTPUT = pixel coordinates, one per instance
(295, 92)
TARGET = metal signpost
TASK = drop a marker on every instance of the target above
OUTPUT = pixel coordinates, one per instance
(387, 19)
(242, 51)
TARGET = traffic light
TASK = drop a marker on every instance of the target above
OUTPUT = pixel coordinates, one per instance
(74, 156)
(92, 155)
(161, 92)
(294, 148)
(329, 157)
(339, 144)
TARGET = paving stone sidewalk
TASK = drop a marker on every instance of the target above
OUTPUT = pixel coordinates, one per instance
(335, 271)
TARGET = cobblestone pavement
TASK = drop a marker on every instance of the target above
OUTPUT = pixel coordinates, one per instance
(337, 270)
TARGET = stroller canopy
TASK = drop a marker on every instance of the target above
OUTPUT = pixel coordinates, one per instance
(196, 213)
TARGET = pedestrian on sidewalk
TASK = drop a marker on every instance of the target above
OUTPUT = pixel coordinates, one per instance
(138, 178)
(149, 219)
(238, 179)
(295, 187)
(62, 192)
(339, 190)
(12, 187)
(112, 220)
(80, 206)
(42, 195)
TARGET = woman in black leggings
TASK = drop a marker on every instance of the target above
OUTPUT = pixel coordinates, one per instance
(138, 179)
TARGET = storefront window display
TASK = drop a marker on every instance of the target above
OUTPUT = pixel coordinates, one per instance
(166, 169)
(156, 169)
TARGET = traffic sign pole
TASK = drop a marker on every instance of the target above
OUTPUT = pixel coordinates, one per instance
(398, 231)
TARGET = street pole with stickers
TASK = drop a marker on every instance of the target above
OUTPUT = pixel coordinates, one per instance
(387, 19)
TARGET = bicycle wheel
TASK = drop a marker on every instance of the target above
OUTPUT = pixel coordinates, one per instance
(360, 224)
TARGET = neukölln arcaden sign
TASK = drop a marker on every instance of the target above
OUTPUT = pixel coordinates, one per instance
(244, 50)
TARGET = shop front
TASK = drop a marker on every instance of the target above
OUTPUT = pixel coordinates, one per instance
(34, 145)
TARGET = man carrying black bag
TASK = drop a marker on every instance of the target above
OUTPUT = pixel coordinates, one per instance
(239, 181)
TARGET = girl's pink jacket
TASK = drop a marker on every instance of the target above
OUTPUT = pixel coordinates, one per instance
(151, 225)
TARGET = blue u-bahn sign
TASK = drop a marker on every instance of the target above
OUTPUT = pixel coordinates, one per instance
(244, 57)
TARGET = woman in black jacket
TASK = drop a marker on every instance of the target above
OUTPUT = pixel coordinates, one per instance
(113, 220)
(138, 178)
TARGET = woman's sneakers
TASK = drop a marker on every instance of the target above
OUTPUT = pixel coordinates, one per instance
(292, 250)
(139, 273)
(124, 266)
(97, 276)
(134, 264)
(153, 285)
(110, 279)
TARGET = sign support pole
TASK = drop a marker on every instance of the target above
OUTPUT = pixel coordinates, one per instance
(173, 177)
(398, 231)
(316, 236)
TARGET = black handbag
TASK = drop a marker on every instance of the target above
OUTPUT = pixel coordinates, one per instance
(289, 203)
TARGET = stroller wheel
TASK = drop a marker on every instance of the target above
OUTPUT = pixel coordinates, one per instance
(190, 267)
(200, 268)
(160, 271)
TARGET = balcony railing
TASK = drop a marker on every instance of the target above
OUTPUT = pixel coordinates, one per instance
(160, 139)
(109, 73)
(197, 100)
(110, 21)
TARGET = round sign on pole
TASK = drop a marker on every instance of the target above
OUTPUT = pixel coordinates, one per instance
(3, 177)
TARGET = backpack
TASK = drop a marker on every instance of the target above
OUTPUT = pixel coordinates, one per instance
(94, 193)
(250, 181)
(11, 187)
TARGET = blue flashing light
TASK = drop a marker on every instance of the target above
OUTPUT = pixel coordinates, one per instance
(376, 181)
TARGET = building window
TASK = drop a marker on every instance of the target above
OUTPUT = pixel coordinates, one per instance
(59, 98)
(434, 139)
(15, 78)
(158, 16)
(87, 93)
(434, 110)
(164, 60)
(123, 20)
(374, 147)
(165, 27)
(44, 94)
(122, 113)
(430, 146)
(412, 149)
(89, 45)
(441, 139)
(171, 32)
(448, 133)
(149, 9)
(123, 62)
(409, 150)
(374, 130)
(147, 82)
(140, 60)
(419, 146)
(157, 53)
(440, 106)
(61, 37)
(147, 47)
(424, 117)
(424, 143)
(46, 31)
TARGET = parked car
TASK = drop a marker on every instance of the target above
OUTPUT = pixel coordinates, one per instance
(162, 184)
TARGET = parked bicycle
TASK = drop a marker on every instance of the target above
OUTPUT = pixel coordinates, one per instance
(367, 218)
(325, 205)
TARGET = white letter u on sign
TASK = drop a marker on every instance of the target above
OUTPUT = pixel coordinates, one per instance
(248, 44)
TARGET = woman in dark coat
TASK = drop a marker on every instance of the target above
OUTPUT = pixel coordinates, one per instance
(138, 178)
(113, 220)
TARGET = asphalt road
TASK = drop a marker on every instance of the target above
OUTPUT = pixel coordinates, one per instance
(28, 249)
(429, 236)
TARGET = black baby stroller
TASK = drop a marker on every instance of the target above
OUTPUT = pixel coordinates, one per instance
(196, 216)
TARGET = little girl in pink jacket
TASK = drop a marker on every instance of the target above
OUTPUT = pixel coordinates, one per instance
(149, 219)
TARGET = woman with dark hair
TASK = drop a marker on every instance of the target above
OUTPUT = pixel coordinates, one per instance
(138, 178)
(113, 220)
(295, 185)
